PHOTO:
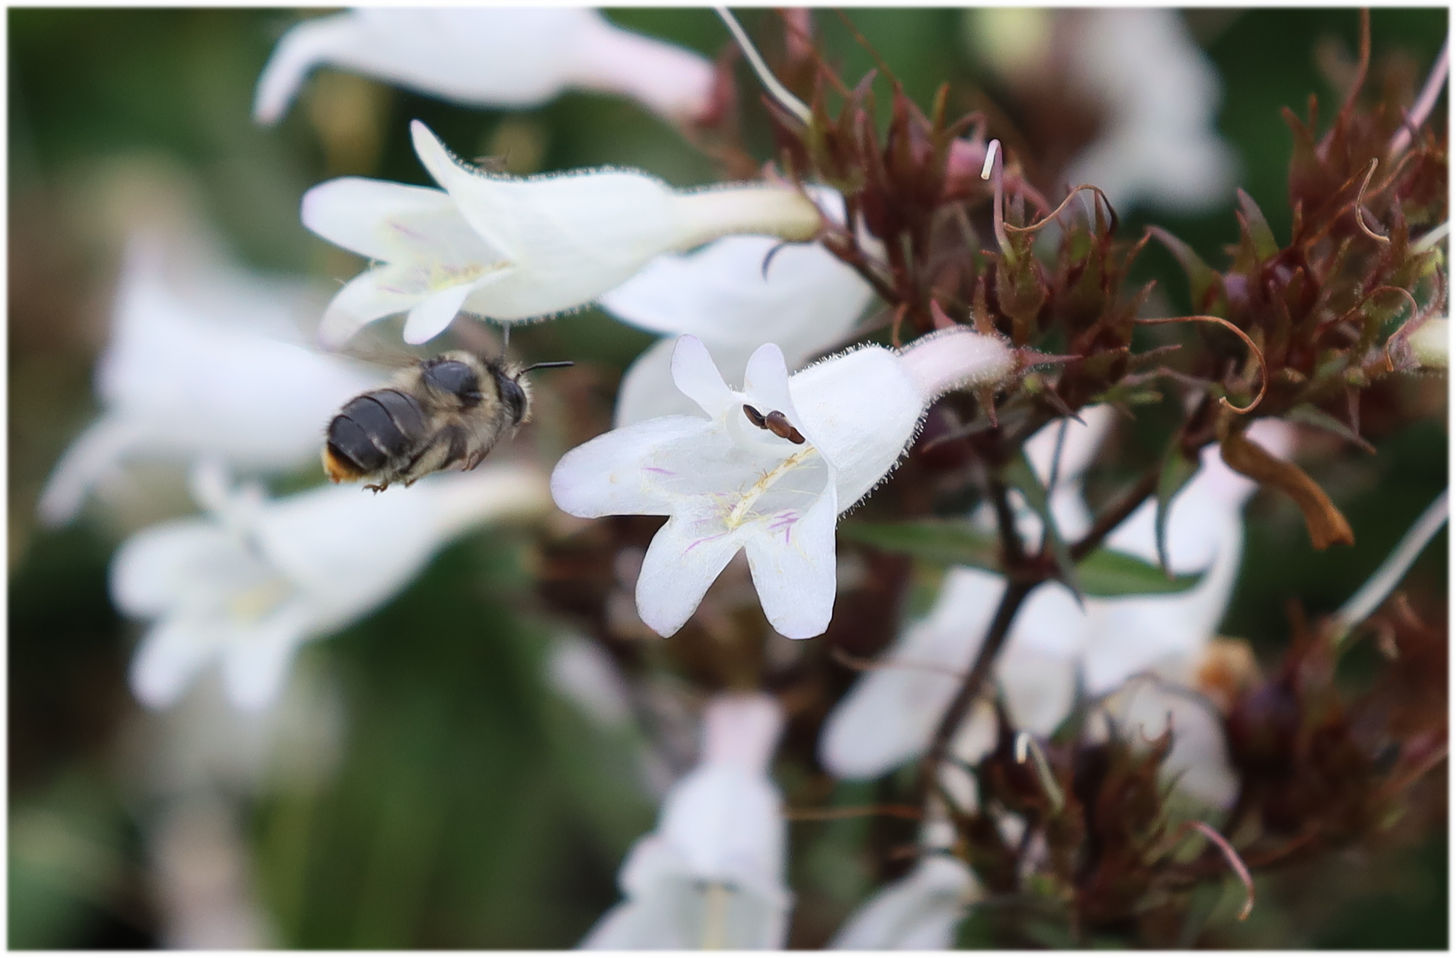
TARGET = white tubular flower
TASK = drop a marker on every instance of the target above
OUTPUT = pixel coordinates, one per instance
(254, 580)
(774, 490)
(201, 362)
(1431, 343)
(489, 58)
(921, 911)
(806, 301)
(514, 249)
(712, 874)
(890, 715)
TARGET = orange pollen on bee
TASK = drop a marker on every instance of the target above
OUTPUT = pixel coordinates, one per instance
(337, 469)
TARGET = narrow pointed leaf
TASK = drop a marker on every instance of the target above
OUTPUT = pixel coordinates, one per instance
(1023, 478)
(1103, 574)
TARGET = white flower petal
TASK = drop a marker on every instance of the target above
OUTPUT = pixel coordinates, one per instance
(203, 360)
(389, 221)
(793, 568)
(712, 874)
(91, 457)
(685, 556)
(647, 390)
(255, 665)
(696, 376)
(863, 411)
(169, 657)
(1080, 443)
(766, 380)
(580, 233)
(722, 294)
(609, 476)
(492, 57)
(297, 53)
(1198, 760)
(919, 912)
(891, 713)
(373, 294)
(259, 577)
(177, 562)
(429, 319)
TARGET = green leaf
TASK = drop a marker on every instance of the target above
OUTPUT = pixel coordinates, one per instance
(942, 541)
(1107, 573)
(1104, 573)
(1023, 478)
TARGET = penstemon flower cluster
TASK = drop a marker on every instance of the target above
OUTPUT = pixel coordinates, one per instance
(894, 353)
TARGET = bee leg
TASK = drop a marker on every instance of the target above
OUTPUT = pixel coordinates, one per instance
(378, 489)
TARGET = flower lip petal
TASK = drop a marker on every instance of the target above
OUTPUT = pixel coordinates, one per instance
(603, 477)
(301, 49)
(377, 218)
(430, 318)
(793, 565)
(697, 376)
(171, 654)
(685, 556)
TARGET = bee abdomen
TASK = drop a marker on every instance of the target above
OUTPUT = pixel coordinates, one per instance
(371, 430)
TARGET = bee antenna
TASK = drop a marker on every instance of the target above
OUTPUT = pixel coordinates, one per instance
(564, 362)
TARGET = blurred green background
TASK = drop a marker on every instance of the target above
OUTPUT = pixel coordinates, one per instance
(469, 807)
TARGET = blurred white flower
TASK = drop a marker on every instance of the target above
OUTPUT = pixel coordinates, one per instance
(919, 912)
(1157, 90)
(805, 301)
(1161, 95)
(255, 579)
(712, 874)
(498, 57)
(581, 672)
(728, 484)
(513, 249)
(201, 363)
(890, 715)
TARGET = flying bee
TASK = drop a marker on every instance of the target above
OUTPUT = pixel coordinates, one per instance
(445, 412)
(776, 423)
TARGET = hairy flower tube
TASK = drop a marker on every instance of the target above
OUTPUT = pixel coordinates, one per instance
(253, 580)
(891, 714)
(1431, 343)
(497, 57)
(203, 360)
(513, 249)
(712, 874)
(734, 294)
(773, 487)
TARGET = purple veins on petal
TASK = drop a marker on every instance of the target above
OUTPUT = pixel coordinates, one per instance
(697, 542)
(658, 470)
(401, 228)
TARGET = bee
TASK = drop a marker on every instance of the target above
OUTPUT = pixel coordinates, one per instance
(776, 423)
(445, 412)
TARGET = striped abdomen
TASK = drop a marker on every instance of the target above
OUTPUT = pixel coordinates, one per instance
(376, 434)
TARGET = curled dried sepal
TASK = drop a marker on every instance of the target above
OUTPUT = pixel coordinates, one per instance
(1326, 524)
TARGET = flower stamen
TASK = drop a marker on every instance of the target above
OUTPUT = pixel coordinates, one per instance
(739, 513)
